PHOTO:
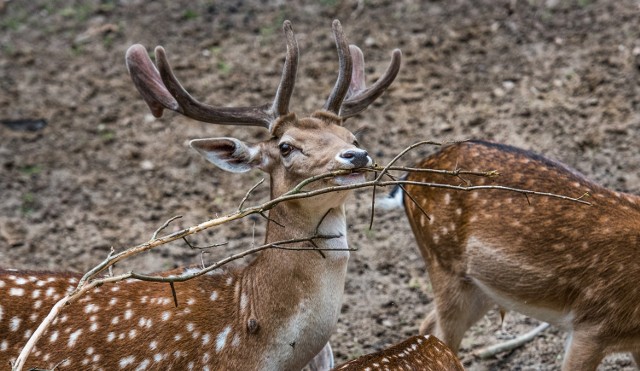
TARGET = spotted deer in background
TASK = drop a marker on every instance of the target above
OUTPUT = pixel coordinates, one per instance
(278, 312)
(573, 265)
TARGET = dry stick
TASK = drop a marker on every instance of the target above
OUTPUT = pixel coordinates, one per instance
(87, 286)
(492, 350)
(87, 282)
(246, 196)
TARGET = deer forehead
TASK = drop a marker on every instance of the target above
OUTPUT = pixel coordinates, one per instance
(312, 132)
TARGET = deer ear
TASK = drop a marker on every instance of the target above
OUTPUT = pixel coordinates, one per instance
(229, 154)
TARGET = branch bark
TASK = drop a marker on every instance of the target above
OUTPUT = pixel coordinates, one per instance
(89, 280)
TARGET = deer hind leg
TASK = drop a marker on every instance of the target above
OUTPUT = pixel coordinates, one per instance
(458, 305)
(636, 358)
(583, 352)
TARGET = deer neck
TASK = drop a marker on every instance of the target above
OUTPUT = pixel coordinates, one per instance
(296, 296)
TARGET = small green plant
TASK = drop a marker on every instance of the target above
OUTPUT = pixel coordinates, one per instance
(28, 203)
(189, 14)
(31, 170)
(224, 67)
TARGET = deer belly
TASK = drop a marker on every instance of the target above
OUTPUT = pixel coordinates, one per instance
(516, 284)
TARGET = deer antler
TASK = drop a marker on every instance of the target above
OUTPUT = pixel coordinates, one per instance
(359, 96)
(350, 94)
(161, 89)
(341, 87)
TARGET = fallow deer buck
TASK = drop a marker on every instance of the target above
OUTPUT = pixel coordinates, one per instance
(278, 312)
(566, 263)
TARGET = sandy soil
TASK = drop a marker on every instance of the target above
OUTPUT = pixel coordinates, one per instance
(559, 77)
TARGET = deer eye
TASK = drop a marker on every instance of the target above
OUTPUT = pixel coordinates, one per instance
(285, 149)
(356, 143)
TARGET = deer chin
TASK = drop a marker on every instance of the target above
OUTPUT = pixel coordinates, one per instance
(348, 179)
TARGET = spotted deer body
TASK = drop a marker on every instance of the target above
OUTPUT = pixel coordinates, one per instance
(566, 263)
(418, 353)
(277, 312)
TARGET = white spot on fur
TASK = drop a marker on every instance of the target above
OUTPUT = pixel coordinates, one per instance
(143, 365)
(205, 339)
(153, 345)
(244, 299)
(14, 324)
(111, 336)
(221, 339)
(128, 314)
(20, 281)
(166, 315)
(214, 296)
(126, 361)
(16, 291)
(35, 294)
(54, 337)
(4, 346)
(73, 338)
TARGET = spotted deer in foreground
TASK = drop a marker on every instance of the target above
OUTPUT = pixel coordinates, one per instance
(276, 313)
(572, 265)
(419, 353)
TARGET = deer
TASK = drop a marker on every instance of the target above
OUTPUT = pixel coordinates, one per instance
(565, 263)
(419, 353)
(274, 313)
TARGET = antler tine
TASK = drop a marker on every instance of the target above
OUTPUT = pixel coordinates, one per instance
(283, 95)
(188, 106)
(344, 72)
(359, 97)
(147, 81)
(161, 89)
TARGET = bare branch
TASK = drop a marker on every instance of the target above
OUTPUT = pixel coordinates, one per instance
(246, 196)
(165, 225)
(506, 346)
(89, 280)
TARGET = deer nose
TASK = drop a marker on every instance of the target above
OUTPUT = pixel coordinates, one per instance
(357, 158)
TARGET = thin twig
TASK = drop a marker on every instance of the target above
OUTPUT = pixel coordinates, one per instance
(506, 346)
(173, 292)
(165, 225)
(88, 281)
(194, 247)
(246, 196)
(373, 202)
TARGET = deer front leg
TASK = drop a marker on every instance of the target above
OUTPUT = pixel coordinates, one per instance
(583, 352)
(458, 305)
(323, 361)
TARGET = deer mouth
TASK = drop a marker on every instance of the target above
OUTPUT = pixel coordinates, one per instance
(355, 177)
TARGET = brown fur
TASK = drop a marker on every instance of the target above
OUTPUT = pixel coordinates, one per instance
(418, 353)
(566, 263)
(279, 288)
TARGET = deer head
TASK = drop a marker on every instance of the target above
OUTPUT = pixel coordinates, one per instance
(298, 147)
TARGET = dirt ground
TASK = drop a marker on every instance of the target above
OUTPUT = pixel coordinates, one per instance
(560, 77)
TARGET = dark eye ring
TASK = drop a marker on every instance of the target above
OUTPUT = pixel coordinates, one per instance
(285, 149)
